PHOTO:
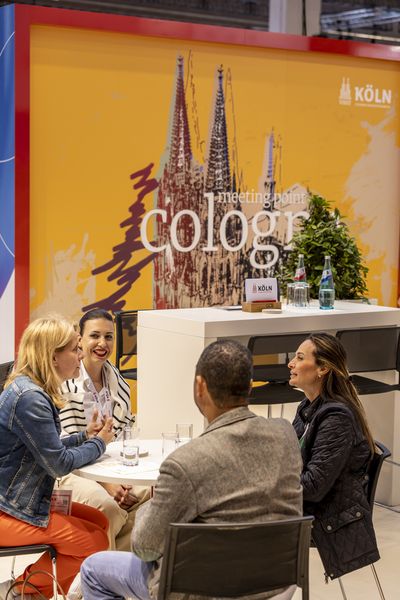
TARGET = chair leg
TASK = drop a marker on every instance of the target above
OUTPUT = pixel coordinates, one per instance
(282, 409)
(269, 411)
(342, 589)
(13, 568)
(54, 568)
(378, 583)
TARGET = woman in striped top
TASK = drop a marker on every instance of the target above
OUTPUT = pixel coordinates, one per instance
(100, 386)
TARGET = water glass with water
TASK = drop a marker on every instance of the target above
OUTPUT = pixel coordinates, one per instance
(130, 446)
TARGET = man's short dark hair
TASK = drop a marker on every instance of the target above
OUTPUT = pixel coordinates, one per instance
(227, 369)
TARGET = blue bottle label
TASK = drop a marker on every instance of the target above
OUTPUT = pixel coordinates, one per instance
(326, 275)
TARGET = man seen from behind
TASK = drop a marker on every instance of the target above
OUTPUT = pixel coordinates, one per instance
(242, 468)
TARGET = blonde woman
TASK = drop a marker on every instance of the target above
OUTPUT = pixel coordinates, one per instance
(33, 456)
(99, 386)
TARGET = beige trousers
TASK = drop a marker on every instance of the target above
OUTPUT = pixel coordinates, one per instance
(93, 494)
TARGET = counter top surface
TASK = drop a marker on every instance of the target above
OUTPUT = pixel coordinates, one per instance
(222, 321)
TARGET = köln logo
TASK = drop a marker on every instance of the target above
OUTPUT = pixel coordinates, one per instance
(345, 92)
(364, 95)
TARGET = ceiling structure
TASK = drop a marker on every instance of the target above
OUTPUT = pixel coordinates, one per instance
(375, 21)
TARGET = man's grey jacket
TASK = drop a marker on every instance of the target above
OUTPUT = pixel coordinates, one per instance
(242, 468)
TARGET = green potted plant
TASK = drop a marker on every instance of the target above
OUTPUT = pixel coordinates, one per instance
(324, 233)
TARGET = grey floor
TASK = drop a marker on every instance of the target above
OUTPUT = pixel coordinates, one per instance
(358, 585)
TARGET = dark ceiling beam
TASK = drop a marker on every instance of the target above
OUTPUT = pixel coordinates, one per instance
(188, 13)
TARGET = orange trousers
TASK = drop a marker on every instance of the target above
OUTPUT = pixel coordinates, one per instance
(74, 536)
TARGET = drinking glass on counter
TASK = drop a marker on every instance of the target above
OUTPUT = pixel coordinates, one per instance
(301, 295)
(290, 294)
(298, 294)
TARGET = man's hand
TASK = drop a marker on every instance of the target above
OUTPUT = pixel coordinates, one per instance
(124, 497)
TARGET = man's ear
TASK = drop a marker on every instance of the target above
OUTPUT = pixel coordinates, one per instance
(201, 385)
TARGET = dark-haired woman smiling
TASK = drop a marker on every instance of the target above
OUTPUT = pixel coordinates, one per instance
(336, 446)
(100, 386)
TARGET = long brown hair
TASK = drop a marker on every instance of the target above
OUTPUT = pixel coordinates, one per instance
(336, 384)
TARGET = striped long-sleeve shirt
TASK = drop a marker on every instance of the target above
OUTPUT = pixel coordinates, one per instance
(72, 415)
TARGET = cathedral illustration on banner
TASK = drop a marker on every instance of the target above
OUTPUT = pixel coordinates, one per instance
(208, 240)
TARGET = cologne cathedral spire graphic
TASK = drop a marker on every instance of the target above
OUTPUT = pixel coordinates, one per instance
(202, 261)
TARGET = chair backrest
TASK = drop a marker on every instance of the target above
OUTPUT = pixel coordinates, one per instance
(374, 470)
(373, 349)
(126, 334)
(5, 369)
(267, 350)
(235, 559)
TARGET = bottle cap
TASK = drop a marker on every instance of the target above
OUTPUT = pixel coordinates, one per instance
(327, 256)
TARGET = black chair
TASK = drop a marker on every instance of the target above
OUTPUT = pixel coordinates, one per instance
(371, 350)
(15, 551)
(235, 559)
(271, 355)
(126, 340)
(5, 370)
(374, 469)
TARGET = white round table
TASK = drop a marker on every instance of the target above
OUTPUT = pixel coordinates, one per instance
(109, 468)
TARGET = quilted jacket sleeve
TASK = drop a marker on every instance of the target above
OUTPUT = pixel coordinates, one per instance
(328, 456)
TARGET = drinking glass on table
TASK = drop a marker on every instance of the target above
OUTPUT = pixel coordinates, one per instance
(184, 433)
(130, 446)
(168, 442)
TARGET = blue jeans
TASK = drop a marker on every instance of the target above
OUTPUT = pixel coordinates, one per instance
(114, 576)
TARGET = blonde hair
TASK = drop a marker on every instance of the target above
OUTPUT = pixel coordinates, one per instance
(39, 343)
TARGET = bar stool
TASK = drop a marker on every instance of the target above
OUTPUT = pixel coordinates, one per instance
(15, 551)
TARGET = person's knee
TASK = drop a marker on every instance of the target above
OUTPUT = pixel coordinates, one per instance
(91, 567)
(100, 570)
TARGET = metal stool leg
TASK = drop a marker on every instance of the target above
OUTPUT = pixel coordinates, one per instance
(342, 589)
(54, 572)
(378, 583)
(54, 566)
(13, 568)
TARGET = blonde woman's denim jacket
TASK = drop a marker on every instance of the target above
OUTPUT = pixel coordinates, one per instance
(32, 454)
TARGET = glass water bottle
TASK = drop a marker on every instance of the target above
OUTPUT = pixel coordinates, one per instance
(327, 287)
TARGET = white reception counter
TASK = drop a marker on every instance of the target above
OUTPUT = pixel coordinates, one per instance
(171, 341)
